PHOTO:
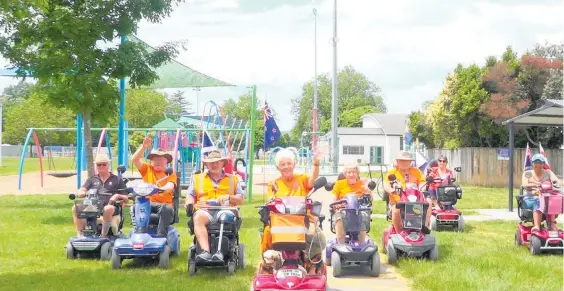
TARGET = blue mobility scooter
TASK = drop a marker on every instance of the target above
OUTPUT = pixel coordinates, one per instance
(143, 241)
(223, 239)
(355, 211)
(92, 244)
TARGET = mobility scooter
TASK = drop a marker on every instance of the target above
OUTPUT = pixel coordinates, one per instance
(223, 237)
(549, 237)
(289, 221)
(411, 241)
(447, 216)
(143, 241)
(355, 211)
(92, 244)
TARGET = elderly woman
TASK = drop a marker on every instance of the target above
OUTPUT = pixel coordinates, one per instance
(531, 181)
(441, 171)
(351, 184)
(292, 184)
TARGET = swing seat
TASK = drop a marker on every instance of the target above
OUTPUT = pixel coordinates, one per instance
(62, 174)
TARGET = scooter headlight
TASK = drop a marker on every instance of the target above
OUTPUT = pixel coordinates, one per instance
(412, 198)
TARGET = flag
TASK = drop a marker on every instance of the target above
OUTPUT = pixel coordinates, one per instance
(407, 135)
(271, 131)
(528, 155)
(541, 150)
(207, 144)
(421, 161)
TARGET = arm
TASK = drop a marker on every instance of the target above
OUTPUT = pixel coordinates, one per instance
(526, 183)
(118, 196)
(136, 158)
(239, 197)
(81, 192)
(315, 171)
(336, 190)
(553, 178)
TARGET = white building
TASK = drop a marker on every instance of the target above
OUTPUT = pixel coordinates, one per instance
(377, 142)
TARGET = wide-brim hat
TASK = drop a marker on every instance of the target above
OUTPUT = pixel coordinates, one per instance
(215, 156)
(101, 158)
(404, 156)
(160, 153)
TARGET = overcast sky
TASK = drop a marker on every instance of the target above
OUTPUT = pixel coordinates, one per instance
(406, 47)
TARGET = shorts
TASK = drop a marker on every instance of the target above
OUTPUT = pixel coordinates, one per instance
(363, 226)
(213, 214)
(315, 240)
(394, 198)
(531, 202)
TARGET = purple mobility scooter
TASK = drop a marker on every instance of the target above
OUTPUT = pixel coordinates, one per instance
(355, 212)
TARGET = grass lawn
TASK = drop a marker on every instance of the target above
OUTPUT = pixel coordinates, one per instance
(472, 198)
(35, 230)
(484, 257)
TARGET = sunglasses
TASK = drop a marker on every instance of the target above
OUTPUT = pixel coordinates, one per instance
(101, 165)
(442, 161)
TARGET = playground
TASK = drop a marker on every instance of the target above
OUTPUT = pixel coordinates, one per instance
(36, 220)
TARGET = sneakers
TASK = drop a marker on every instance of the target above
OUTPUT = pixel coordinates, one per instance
(217, 256)
(204, 255)
(425, 230)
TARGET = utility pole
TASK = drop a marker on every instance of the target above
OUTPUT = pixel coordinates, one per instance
(334, 95)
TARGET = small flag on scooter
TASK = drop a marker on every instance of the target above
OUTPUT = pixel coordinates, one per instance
(528, 155)
(546, 164)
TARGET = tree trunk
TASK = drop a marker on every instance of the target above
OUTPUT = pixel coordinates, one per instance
(86, 118)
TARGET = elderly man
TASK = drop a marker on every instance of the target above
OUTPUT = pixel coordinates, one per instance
(215, 185)
(103, 181)
(405, 173)
(154, 173)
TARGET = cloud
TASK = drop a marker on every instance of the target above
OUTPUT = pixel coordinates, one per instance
(405, 47)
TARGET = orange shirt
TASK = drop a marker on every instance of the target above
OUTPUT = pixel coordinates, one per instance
(151, 176)
(342, 188)
(414, 174)
(297, 187)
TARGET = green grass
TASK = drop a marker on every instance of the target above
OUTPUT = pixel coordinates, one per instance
(473, 197)
(35, 230)
(484, 257)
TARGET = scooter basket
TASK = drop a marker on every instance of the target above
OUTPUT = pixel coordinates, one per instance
(288, 231)
(413, 215)
(355, 220)
(447, 194)
(551, 204)
(88, 208)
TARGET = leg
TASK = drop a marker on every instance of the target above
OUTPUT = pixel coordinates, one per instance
(201, 219)
(429, 212)
(537, 215)
(107, 215)
(78, 223)
(266, 240)
(339, 228)
(396, 218)
(166, 213)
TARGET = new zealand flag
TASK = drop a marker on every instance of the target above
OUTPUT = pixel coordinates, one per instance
(271, 131)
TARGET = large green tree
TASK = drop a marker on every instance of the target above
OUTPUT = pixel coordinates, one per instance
(357, 96)
(67, 46)
(34, 111)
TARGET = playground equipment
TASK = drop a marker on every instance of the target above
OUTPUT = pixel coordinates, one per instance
(187, 146)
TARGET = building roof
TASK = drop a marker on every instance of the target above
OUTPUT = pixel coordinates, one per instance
(356, 131)
(392, 124)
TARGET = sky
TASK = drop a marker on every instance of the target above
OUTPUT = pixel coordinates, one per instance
(406, 47)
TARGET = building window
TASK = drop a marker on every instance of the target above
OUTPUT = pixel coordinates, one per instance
(353, 150)
(401, 143)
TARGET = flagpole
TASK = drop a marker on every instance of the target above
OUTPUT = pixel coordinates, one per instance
(252, 140)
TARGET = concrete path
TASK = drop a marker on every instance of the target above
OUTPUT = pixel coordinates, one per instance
(487, 214)
(357, 279)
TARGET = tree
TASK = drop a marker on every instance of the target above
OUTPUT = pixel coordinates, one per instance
(137, 104)
(177, 105)
(58, 43)
(35, 112)
(355, 91)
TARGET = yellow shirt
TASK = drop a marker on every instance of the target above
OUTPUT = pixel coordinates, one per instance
(342, 188)
(415, 176)
(151, 176)
(297, 187)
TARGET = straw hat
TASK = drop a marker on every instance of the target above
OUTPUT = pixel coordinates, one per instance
(215, 156)
(404, 156)
(160, 153)
(101, 158)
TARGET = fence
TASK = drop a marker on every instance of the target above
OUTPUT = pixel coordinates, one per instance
(483, 166)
